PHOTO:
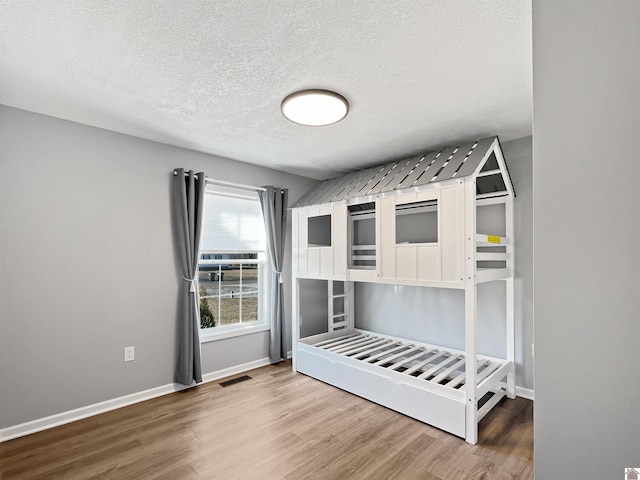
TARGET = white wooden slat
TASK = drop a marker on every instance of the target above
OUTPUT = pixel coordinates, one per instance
(375, 185)
(497, 200)
(455, 162)
(488, 370)
(376, 343)
(380, 348)
(404, 358)
(303, 201)
(372, 358)
(361, 183)
(317, 196)
(438, 355)
(492, 256)
(326, 193)
(365, 349)
(490, 382)
(401, 172)
(459, 380)
(338, 325)
(363, 247)
(338, 193)
(362, 273)
(489, 173)
(448, 371)
(363, 257)
(355, 189)
(479, 153)
(309, 197)
(346, 188)
(334, 339)
(434, 355)
(483, 240)
(434, 168)
(422, 351)
(362, 189)
(355, 343)
(486, 196)
(351, 190)
(366, 181)
(337, 341)
(491, 274)
(426, 160)
(492, 402)
(408, 348)
(376, 174)
(435, 368)
(407, 169)
(338, 315)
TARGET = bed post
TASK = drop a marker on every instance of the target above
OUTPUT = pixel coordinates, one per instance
(470, 311)
(510, 297)
(295, 289)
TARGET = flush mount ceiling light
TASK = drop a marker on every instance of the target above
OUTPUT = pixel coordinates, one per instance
(315, 107)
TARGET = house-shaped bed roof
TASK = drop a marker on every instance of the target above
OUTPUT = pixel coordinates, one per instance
(481, 159)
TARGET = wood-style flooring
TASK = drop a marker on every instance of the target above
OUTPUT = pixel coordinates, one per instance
(278, 425)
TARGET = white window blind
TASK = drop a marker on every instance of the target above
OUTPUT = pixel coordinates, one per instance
(232, 222)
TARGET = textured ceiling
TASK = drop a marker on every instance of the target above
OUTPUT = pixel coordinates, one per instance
(210, 75)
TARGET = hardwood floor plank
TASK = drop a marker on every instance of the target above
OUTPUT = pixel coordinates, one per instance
(278, 425)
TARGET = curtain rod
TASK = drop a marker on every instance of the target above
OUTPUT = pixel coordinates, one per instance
(228, 184)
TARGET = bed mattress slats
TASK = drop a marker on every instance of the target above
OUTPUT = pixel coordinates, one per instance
(425, 363)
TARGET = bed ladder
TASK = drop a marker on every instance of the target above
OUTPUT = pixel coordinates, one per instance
(340, 305)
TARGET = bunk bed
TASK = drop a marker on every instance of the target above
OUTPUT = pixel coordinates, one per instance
(409, 222)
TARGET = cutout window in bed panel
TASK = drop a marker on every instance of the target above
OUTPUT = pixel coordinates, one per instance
(362, 236)
(319, 231)
(490, 184)
(491, 163)
(417, 222)
(491, 219)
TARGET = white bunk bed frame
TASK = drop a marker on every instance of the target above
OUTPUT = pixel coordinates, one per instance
(449, 389)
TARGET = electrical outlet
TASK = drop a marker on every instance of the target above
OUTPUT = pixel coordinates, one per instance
(129, 354)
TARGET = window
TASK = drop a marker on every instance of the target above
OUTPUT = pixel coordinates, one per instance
(319, 231)
(232, 267)
(417, 222)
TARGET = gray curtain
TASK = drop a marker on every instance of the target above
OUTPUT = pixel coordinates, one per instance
(187, 206)
(274, 211)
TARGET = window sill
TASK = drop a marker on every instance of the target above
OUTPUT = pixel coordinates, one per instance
(220, 333)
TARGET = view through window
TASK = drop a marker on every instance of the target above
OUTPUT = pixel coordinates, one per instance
(232, 268)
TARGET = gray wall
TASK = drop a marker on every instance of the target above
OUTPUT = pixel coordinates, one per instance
(437, 315)
(87, 264)
(587, 230)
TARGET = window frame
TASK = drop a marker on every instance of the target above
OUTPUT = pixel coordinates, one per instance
(261, 324)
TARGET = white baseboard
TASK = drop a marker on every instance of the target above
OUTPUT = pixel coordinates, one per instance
(69, 416)
(524, 393)
(227, 372)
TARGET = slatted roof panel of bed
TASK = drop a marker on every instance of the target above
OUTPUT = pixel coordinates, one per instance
(482, 159)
